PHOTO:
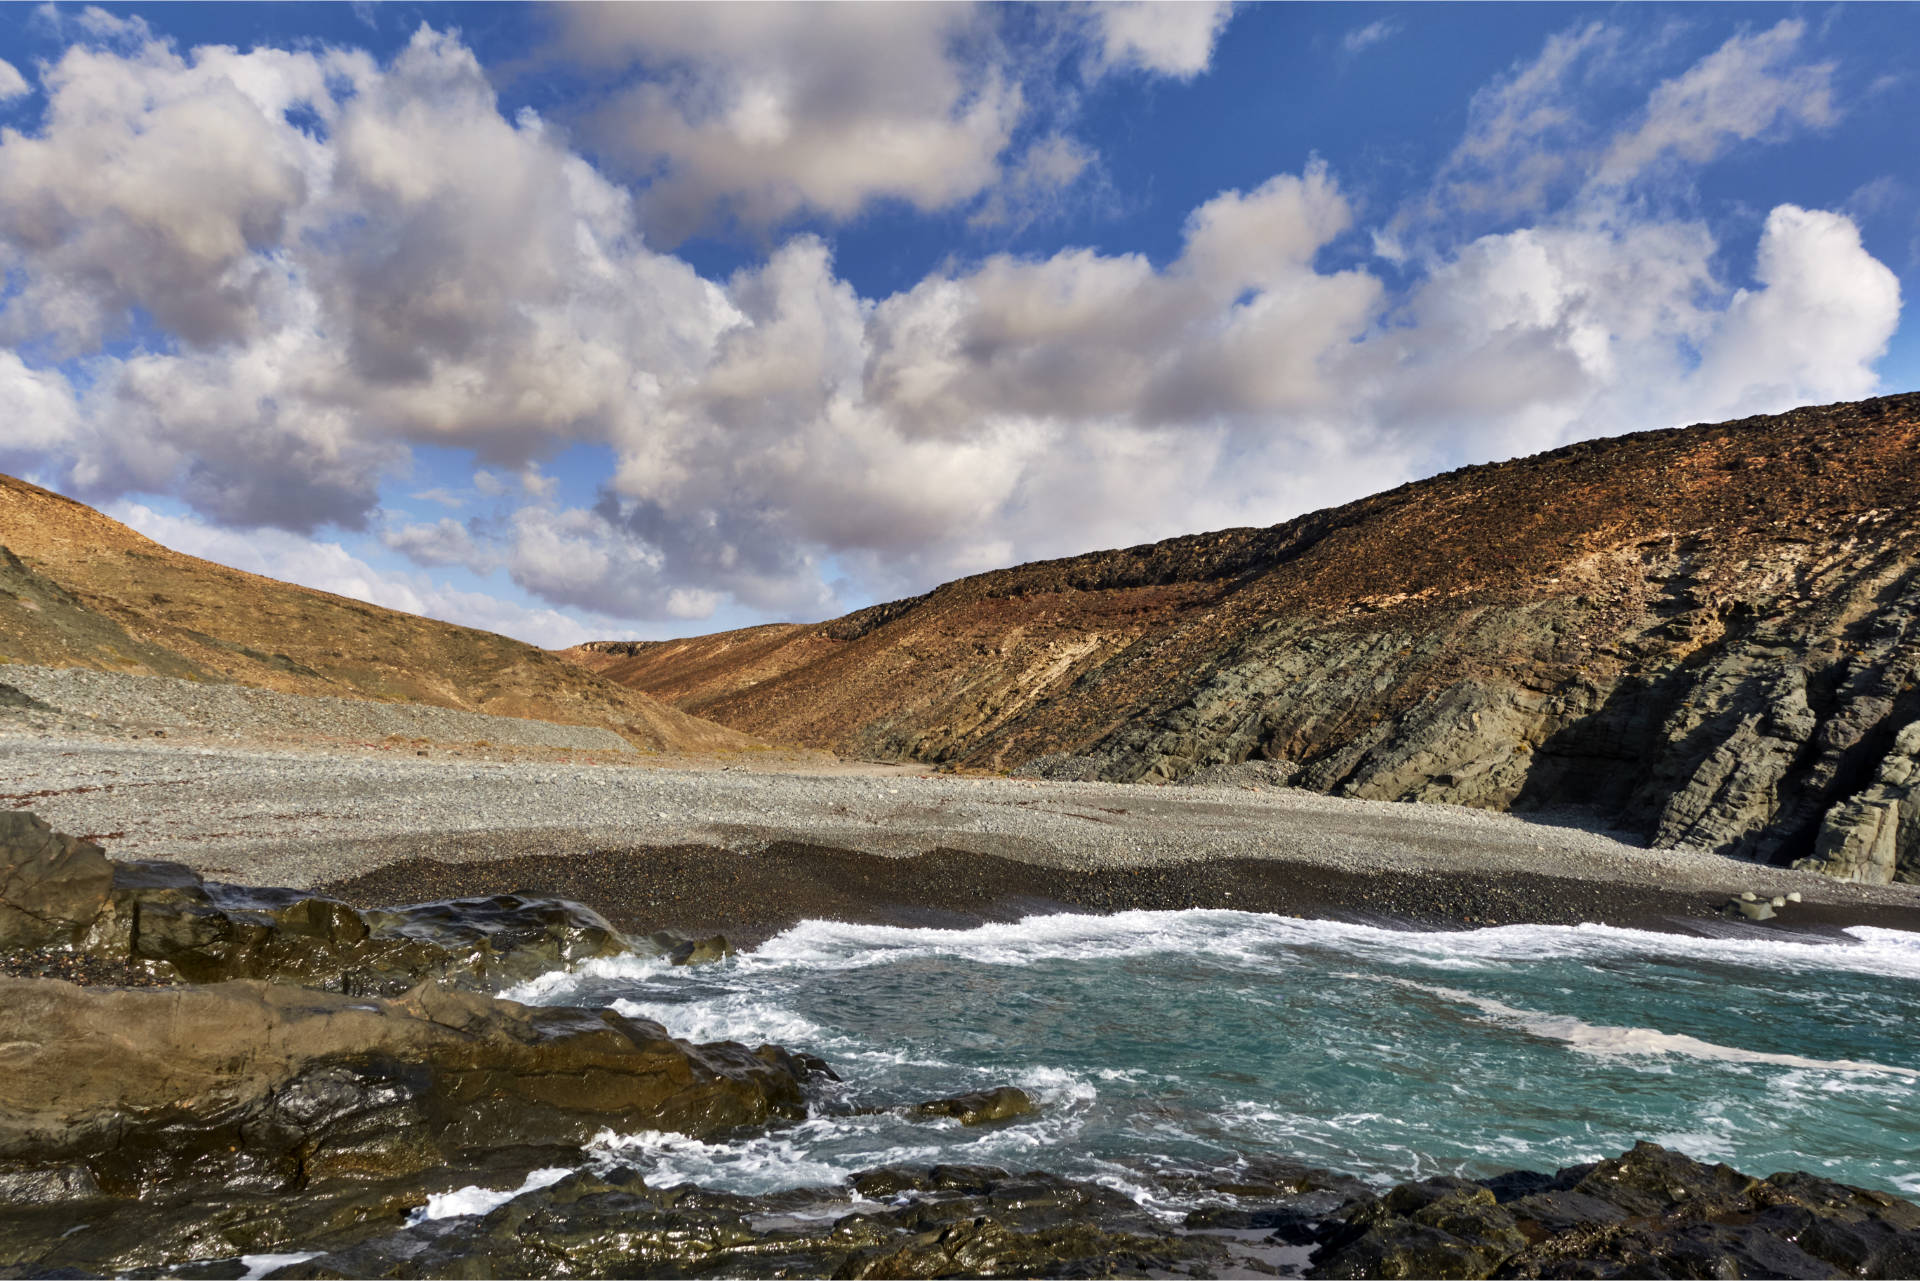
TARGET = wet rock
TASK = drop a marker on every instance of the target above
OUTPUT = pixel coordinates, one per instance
(273, 1090)
(52, 887)
(685, 951)
(166, 920)
(1649, 1212)
(983, 1222)
(981, 1107)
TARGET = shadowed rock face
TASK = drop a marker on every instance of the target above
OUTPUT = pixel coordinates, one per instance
(1708, 636)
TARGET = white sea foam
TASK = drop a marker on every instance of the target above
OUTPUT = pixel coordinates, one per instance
(1599, 1039)
(761, 1163)
(730, 1016)
(475, 1199)
(260, 1265)
(1264, 940)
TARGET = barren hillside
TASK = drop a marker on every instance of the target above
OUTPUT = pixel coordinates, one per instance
(78, 589)
(1707, 636)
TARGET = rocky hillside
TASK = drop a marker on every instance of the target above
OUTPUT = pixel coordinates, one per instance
(1707, 636)
(80, 590)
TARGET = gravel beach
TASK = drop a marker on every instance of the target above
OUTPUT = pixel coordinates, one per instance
(752, 842)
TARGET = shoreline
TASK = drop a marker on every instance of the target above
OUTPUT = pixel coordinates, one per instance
(737, 847)
(701, 889)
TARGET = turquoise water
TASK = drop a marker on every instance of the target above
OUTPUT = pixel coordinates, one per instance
(1168, 1042)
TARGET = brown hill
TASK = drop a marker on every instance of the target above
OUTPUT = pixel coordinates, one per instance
(1705, 635)
(78, 589)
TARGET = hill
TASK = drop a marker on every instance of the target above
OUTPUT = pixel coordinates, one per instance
(78, 589)
(1704, 637)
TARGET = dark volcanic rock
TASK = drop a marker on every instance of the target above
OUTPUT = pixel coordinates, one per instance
(1648, 1213)
(224, 1101)
(981, 1107)
(164, 920)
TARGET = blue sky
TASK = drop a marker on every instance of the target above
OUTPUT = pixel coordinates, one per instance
(654, 320)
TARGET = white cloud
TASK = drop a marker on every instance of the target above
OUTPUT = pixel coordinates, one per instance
(762, 111)
(431, 272)
(1171, 37)
(1361, 38)
(12, 83)
(1744, 89)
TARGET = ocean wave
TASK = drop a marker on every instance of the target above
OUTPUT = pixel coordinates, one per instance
(1601, 1039)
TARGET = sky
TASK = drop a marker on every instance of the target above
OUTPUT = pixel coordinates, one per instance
(641, 321)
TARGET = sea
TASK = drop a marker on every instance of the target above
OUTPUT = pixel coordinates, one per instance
(1160, 1045)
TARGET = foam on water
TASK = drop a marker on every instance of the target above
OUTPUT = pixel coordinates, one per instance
(1590, 1038)
(1168, 1041)
(474, 1199)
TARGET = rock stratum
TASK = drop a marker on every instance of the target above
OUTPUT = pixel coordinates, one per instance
(1706, 637)
(78, 589)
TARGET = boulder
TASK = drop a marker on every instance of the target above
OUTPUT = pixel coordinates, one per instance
(53, 888)
(980, 1107)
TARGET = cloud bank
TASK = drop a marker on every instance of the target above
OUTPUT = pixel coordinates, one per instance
(257, 282)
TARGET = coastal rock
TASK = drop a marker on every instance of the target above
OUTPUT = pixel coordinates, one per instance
(947, 1221)
(1649, 1212)
(1875, 837)
(982, 1107)
(685, 951)
(166, 920)
(53, 888)
(224, 1102)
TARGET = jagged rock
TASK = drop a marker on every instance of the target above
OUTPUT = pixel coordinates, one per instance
(1649, 1212)
(684, 951)
(978, 1108)
(166, 919)
(1875, 836)
(53, 888)
(216, 1100)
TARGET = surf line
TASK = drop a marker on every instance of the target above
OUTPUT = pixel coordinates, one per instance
(1602, 1040)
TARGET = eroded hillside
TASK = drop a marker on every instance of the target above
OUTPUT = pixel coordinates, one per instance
(78, 589)
(1706, 636)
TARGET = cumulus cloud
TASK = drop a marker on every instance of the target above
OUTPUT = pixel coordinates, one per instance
(762, 111)
(425, 270)
(1171, 37)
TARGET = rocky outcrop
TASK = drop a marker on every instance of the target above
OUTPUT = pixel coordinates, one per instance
(1648, 1213)
(166, 921)
(1707, 637)
(175, 1119)
(1875, 836)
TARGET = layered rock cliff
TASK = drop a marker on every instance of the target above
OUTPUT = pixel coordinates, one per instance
(1706, 636)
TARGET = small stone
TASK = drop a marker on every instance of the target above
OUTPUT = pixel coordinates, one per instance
(1748, 896)
(1777, 901)
(1794, 897)
(1756, 911)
